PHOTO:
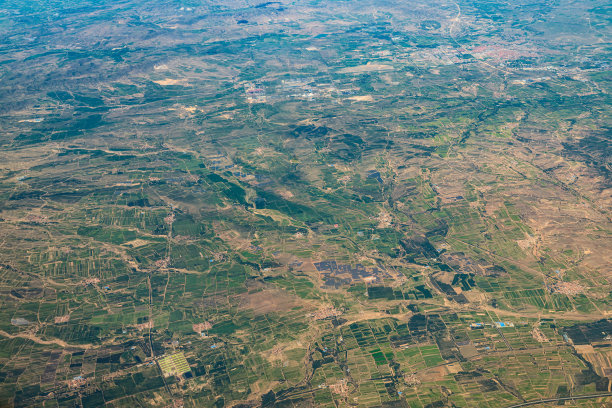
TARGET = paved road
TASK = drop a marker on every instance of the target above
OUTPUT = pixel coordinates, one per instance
(544, 401)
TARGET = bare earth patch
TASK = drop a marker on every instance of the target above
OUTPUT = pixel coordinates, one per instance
(169, 81)
(286, 194)
(268, 301)
(62, 319)
(200, 327)
(369, 67)
(341, 387)
(538, 335)
(144, 326)
(361, 98)
(135, 243)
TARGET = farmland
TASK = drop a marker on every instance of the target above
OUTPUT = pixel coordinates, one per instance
(308, 203)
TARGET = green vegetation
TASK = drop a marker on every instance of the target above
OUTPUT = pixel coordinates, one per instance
(300, 203)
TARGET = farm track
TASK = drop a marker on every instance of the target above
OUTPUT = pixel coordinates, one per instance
(35, 339)
(545, 401)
